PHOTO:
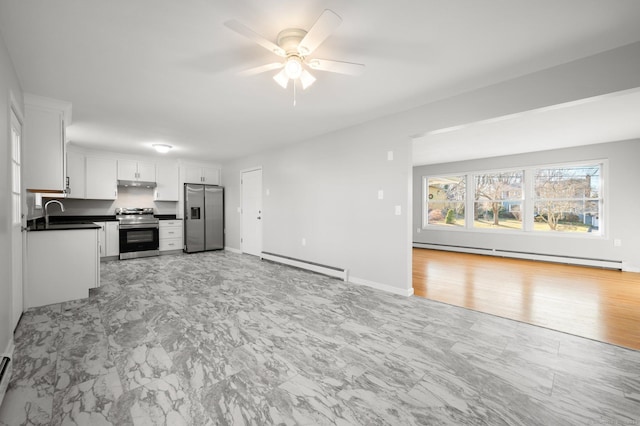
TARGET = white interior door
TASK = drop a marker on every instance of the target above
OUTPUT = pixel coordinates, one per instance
(252, 212)
(17, 220)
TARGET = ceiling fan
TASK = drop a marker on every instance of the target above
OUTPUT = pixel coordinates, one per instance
(294, 46)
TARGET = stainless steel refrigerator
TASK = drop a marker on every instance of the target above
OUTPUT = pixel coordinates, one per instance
(203, 217)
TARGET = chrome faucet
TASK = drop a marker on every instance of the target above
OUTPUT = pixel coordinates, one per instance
(46, 210)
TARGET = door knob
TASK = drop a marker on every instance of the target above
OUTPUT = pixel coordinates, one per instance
(258, 217)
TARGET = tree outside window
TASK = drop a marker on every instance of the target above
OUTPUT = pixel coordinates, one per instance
(498, 200)
(567, 199)
(445, 201)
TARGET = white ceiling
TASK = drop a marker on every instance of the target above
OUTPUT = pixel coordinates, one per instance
(146, 71)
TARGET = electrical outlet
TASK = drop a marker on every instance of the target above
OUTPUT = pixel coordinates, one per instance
(380, 194)
(617, 242)
(268, 192)
(419, 230)
(398, 210)
(389, 155)
(304, 242)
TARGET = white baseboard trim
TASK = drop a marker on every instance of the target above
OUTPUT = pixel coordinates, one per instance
(233, 250)
(629, 267)
(310, 266)
(599, 263)
(384, 287)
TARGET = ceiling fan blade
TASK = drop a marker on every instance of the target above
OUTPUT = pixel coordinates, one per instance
(252, 35)
(262, 68)
(323, 27)
(340, 67)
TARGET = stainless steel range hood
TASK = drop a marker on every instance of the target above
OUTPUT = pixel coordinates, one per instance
(137, 183)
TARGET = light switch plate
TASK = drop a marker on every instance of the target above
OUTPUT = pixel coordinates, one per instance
(390, 155)
(398, 210)
(380, 194)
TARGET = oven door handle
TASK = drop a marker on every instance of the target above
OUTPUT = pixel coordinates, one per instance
(145, 226)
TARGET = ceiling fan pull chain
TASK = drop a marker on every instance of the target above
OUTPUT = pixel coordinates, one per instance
(294, 93)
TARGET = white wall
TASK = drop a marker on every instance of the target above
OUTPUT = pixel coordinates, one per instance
(621, 204)
(326, 190)
(8, 84)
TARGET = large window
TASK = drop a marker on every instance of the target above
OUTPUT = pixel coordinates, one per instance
(498, 200)
(559, 199)
(567, 199)
(445, 201)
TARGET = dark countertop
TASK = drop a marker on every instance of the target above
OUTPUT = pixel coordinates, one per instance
(166, 216)
(66, 226)
(65, 223)
(77, 219)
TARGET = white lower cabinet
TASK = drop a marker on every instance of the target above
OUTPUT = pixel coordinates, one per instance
(109, 234)
(171, 235)
(112, 239)
(62, 265)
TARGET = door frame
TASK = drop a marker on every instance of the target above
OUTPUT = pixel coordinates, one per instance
(15, 111)
(250, 169)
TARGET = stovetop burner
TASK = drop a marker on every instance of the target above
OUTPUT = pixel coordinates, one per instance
(134, 210)
(136, 215)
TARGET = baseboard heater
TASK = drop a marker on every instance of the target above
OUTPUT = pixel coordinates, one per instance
(5, 375)
(331, 271)
(572, 260)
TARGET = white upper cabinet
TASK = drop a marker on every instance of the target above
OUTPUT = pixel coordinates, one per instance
(167, 179)
(136, 171)
(102, 178)
(76, 187)
(44, 144)
(197, 174)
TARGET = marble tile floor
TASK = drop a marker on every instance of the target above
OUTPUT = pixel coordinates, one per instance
(224, 339)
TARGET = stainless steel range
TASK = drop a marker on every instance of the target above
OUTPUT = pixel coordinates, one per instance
(139, 232)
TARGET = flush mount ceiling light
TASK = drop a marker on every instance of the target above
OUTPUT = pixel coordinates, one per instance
(162, 148)
(295, 45)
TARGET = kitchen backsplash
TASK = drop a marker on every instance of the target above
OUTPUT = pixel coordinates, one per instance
(127, 197)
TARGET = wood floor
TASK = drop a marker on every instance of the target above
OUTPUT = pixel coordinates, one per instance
(595, 303)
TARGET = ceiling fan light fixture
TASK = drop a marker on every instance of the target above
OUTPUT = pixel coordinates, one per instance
(282, 78)
(293, 67)
(306, 79)
(162, 148)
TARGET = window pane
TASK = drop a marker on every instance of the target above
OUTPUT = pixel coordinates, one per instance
(567, 216)
(499, 200)
(568, 182)
(449, 213)
(445, 201)
(498, 215)
(568, 199)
